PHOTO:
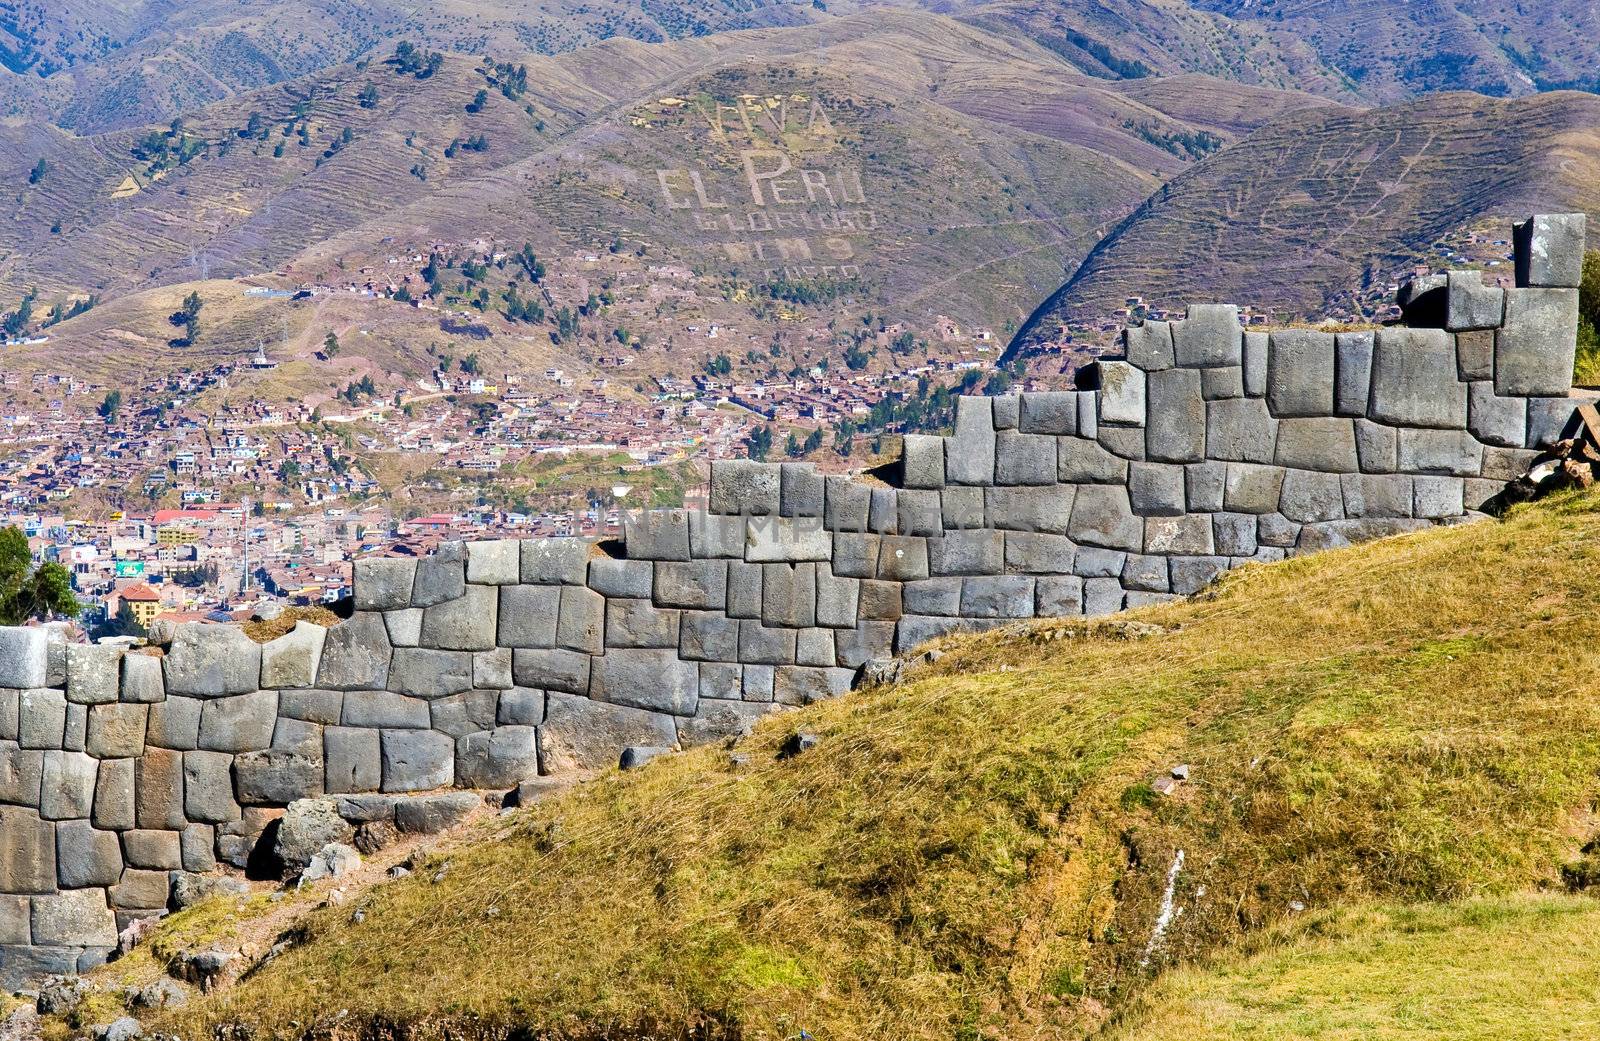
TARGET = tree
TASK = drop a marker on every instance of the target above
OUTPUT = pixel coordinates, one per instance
(791, 447)
(330, 347)
(1586, 369)
(368, 96)
(28, 592)
(759, 443)
(110, 406)
(469, 364)
(39, 170)
(478, 101)
(530, 263)
(188, 317)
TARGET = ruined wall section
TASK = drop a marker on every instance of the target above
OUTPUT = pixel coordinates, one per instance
(488, 663)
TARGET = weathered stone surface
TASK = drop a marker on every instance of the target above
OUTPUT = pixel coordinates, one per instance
(1252, 489)
(880, 600)
(656, 534)
(153, 850)
(1327, 444)
(997, 596)
(581, 625)
(474, 710)
(1146, 573)
(848, 501)
(744, 586)
(1048, 412)
(76, 731)
(495, 562)
(1440, 452)
(382, 708)
(1377, 447)
(296, 735)
(650, 679)
(1209, 335)
(1414, 379)
(384, 583)
(498, 758)
(551, 670)
(801, 685)
(142, 682)
(1376, 495)
(1548, 249)
(1176, 431)
(720, 680)
(404, 626)
(800, 491)
(838, 600)
(241, 723)
(1437, 497)
(1496, 420)
(1080, 461)
(355, 654)
(918, 512)
(1220, 383)
(814, 647)
(854, 647)
(158, 789)
(441, 576)
(1156, 489)
(1533, 353)
(1024, 458)
(67, 785)
(1006, 412)
(1300, 373)
(932, 596)
(140, 890)
(764, 645)
(1353, 373)
(1204, 485)
(278, 776)
(212, 660)
(1550, 420)
(775, 539)
(1233, 534)
(1058, 596)
(1422, 301)
(1147, 345)
(883, 516)
(959, 508)
(721, 720)
(922, 464)
(902, 558)
(634, 578)
(1256, 348)
(467, 623)
(710, 536)
(1190, 533)
(93, 672)
(1192, 574)
(639, 623)
(1475, 355)
(351, 760)
(307, 826)
(558, 561)
(113, 795)
(1102, 516)
(1469, 304)
(1277, 531)
(1122, 393)
(86, 856)
(789, 595)
(1088, 414)
(969, 453)
(491, 670)
(1507, 464)
(580, 734)
(1046, 509)
(41, 718)
(975, 552)
(116, 731)
(743, 488)
(24, 657)
(435, 813)
(1101, 596)
(416, 760)
(292, 660)
(1039, 553)
(27, 852)
(1309, 496)
(708, 636)
(1123, 442)
(77, 918)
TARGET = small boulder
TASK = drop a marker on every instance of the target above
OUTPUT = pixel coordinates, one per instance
(307, 826)
(189, 889)
(124, 1029)
(794, 744)
(335, 860)
(374, 836)
(635, 757)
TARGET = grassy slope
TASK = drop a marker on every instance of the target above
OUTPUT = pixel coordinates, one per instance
(978, 853)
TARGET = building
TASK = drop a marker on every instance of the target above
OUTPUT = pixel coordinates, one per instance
(138, 608)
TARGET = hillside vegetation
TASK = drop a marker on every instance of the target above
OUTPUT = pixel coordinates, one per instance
(982, 852)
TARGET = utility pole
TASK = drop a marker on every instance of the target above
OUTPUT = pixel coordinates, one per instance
(244, 582)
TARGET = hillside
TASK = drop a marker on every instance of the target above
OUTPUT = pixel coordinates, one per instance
(1308, 210)
(981, 852)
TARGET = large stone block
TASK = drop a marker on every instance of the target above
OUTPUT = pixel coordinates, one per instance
(1081, 461)
(1176, 431)
(41, 718)
(1024, 458)
(721, 720)
(1192, 574)
(1376, 495)
(883, 516)
(1007, 411)
(116, 731)
(932, 596)
(800, 491)
(241, 723)
(1300, 373)
(1204, 485)
(1047, 509)
(922, 464)
(67, 785)
(27, 852)
(656, 534)
(1440, 452)
(1039, 553)
(1507, 464)
(24, 657)
(1102, 516)
(1088, 414)
(430, 674)
(158, 789)
(743, 488)
(292, 660)
(208, 788)
(175, 723)
(384, 583)
(1534, 351)
(1233, 534)
(1435, 498)
(498, 758)
(1190, 533)
(153, 850)
(352, 762)
(212, 660)
(633, 578)
(441, 576)
(1254, 370)
(959, 508)
(997, 596)
(1146, 573)
(1547, 249)
(467, 623)
(495, 562)
(355, 654)
(1147, 345)
(1252, 489)
(639, 623)
(554, 561)
(1469, 304)
(697, 584)
(744, 584)
(474, 710)
(1122, 393)
(76, 732)
(1496, 420)
(855, 647)
(1058, 596)
(579, 734)
(20, 772)
(902, 558)
(552, 670)
(1209, 335)
(87, 856)
(519, 706)
(969, 453)
(789, 595)
(838, 601)
(385, 709)
(773, 539)
(1414, 379)
(917, 511)
(977, 552)
(528, 613)
(814, 647)
(93, 673)
(1049, 412)
(1377, 447)
(1101, 596)
(1156, 489)
(1475, 354)
(279, 775)
(1325, 444)
(708, 636)
(581, 624)
(416, 760)
(404, 626)
(78, 918)
(1309, 496)
(848, 501)
(763, 645)
(1353, 373)
(801, 685)
(1551, 420)
(1220, 383)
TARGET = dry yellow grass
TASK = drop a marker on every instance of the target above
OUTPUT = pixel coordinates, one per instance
(980, 853)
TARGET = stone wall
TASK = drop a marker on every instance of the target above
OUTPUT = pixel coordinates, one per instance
(488, 663)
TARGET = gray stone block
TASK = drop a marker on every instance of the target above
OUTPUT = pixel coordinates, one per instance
(24, 657)
(634, 578)
(959, 508)
(1300, 373)
(856, 647)
(1039, 553)
(1024, 458)
(1204, 486)
(838, 600)
(1137, 598)
(562, 670)
(142, 682)
(77, 918)
(20, 772)
(1318, 537)
(498, 758)
(1309, 496)
(710, 536)
(1101, 596)
(1240, 430)
(352, 762)
(1221, 383)
(1496, 420)
(1046, 509)
(1079, 461)
(721, 720)
(720, 680)
(1088, 414)
(800, 491)
(1507, 464)
(977, 552)
(241, 723)
(1209, 335)
(1547, 249)
(76, 733)
(208, 794)
(140, 890)
(744, 488)
(1477, 492)
(475, 710)
(1475, 355)
(799, 685)
(496, 562)
(1233, 534)
(969, 453)
(558, 561)
(416, 760)
(175, 723)
(1147, 573)
(441, 576)
(404, 626)
(922, 463)
(197, 843)
(1049, 412)
(86, 856)
(296, 735)
(383, 708)
(384, 583)
(1469, 304)
(1157, 489)
(1375, 495)
(1058, 596)
(902, 558)
(93, 673)
(27, 852)
(41, 718)
(763, 645)
(1550, 420)
(158, 789)
(1533, 353)
(212, 660)
(932, 596)
(1422, 301)
(1176, 432)
(1414, 379)
(66, 789)
(1353, 373)
(1147, 345)
(1122, 394)
(1252, 489)
(1190, 533)
(581, 623)
(1326, 444)
(1102, 516)
(1437, 497)
(579, 734)
(292, 659)
(1123, 442)
(814, 647)
(1007, 411)
(773, 539)
(429, 673)
(528, 613)
(1192, 574)
(883, 516)
(848, 501)
(467, 623)
(1277, 531)
(1254, 369)
(919, 511)
(744, 584)
(649, 679)
(698, 584)
(520, 706)
(708, 636)
(116, 731)
(656, 534)
(355, 654)
(789, 595)
(1440, 452)
(758, 680)
(1377, 447)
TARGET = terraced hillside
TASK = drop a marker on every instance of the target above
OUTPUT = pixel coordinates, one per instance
(1304, 212)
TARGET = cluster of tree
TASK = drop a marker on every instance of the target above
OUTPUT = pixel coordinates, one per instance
(411, 60)
(759, 443)
(531, 263)
(479, 100)
(796, 292)
(512, 81)
(368, 98)
(173, 147)
(110, 405)
(566, 324)
(721, 365)
(344, 138)
(16, 322)
(1121, 68)
(62, 312)
(475, 143)
(855, 359)
(794, 448)
(28, 592)
(361, 388)
(255, 128)
(37, 174)
(520, 310)
(187, 318)
(1190, 144)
